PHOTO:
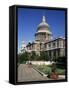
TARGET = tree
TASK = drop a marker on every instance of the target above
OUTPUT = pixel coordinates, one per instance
(22, 58)
(54, 59)
(61, 59)
(33, 56)
(44, 56)
(61, 62)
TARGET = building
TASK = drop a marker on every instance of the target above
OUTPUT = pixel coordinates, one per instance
(44, 41)
(23, 47)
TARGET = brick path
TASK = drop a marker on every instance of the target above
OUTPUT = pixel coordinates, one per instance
(26, 73)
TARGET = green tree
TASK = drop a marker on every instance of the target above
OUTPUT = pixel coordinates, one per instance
(61, 59)
(33, 56)
(44, 56)
(61, 62)
(22, 58)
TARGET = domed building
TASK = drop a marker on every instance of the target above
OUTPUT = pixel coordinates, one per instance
(43, 33)
(45, 42)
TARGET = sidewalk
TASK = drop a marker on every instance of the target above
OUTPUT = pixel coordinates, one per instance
(26, 73)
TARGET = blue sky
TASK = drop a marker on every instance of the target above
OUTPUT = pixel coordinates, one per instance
(28, 20)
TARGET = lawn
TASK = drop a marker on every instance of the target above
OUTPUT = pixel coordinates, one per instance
(46, 69)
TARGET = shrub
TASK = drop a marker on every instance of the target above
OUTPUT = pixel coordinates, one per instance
(61, 62)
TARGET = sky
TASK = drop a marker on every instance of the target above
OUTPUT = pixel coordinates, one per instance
(29, 19)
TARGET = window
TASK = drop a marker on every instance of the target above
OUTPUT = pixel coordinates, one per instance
(57, 43)
(53, 45)
(49, 45)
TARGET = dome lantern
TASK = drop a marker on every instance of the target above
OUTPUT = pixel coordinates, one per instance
(43, 19)
(43, 24)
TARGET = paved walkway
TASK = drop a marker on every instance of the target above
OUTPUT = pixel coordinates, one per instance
(26, 73)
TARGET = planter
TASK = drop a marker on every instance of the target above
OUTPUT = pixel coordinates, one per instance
(54, 75)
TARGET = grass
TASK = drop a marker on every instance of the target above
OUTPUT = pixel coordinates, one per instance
(43, 68)
(60, 71)
(46, 69)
